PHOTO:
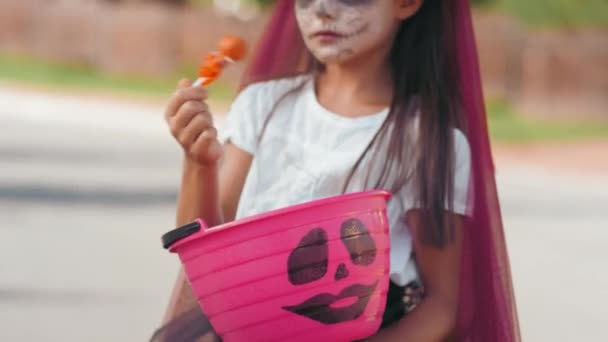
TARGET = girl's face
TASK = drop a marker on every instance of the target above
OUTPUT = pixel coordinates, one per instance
(336, 31)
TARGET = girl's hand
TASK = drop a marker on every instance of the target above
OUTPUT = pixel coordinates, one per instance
(191, 124)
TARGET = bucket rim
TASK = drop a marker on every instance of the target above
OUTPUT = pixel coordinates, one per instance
(179, 236)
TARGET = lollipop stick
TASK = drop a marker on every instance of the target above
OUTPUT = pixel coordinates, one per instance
(199, 81)
(231, 49)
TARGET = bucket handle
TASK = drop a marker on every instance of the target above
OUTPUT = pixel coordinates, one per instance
(177, 234)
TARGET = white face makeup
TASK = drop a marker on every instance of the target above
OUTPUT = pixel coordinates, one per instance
(338, 30)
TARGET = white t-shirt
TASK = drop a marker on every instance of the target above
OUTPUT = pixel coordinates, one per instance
(306, 153)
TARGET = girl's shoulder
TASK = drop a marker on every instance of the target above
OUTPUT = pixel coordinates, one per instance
(249, 111)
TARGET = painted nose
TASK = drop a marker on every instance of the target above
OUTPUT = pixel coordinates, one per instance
(341, 272)
(325, 9)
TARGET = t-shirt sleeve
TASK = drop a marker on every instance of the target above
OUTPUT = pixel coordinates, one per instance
(244, 119)
(249, 111)
(462, 173)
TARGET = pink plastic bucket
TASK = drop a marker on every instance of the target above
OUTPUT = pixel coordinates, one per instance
(312, 272)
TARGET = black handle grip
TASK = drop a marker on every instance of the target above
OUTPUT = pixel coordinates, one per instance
(177, 234)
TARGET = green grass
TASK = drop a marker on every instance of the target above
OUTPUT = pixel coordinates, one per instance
(505, 125)
(31, 71)
(508, 127)
(555, 13)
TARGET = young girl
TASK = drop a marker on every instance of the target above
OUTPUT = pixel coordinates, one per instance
(350, 95)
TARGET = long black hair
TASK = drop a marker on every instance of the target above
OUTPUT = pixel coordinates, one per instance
(417, 136)
(415, 145)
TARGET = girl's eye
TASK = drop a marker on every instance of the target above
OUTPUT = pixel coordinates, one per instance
(307, 3)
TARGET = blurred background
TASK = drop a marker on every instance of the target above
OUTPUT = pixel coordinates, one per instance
(89, 173)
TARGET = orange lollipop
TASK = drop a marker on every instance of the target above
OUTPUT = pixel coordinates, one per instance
(231, 49)
(211, 67)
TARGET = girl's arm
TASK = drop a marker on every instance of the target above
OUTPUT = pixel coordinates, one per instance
(212, 193)
(434, 318)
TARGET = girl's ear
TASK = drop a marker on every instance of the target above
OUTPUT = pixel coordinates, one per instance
(407, 8)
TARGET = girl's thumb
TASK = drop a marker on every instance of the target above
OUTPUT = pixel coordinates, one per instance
(184, 83)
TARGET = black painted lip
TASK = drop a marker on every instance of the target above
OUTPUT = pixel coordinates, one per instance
(318, 307)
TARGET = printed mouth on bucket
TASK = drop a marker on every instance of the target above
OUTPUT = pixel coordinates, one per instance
(320, 308)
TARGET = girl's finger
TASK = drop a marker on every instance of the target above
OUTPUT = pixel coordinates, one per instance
(182, 96)
(186, 113)
(206, 145)
(193, 130)
(183, 83)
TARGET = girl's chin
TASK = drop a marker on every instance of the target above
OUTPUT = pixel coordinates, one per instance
(334, 57)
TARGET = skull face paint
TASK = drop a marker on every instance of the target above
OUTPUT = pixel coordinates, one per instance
(337, 30)
(308, 263)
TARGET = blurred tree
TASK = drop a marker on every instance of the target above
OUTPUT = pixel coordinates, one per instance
(264, 3)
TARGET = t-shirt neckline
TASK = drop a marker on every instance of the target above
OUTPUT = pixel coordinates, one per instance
(365, 120)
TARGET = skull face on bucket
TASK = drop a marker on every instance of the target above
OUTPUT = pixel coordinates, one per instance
(317, 271)
(310, 262)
